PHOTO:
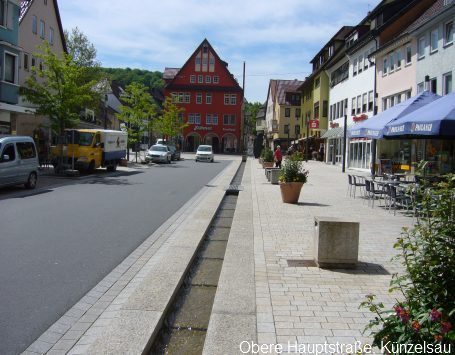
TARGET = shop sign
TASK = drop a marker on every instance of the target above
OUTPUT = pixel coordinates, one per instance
(229, 129)
(362, 117)
(334, 124)
(202, 128)
(314, 124)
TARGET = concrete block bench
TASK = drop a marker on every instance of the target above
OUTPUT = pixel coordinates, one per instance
(336, 242)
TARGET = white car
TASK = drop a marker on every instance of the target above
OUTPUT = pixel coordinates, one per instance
(204, 153)
(158, 154)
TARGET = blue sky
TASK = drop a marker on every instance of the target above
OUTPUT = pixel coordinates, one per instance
(276, 39)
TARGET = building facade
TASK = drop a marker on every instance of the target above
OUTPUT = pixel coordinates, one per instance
(283, 113)
(10, 52)
(211, 98)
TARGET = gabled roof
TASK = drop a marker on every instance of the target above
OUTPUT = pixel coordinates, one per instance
(279, 88)
(170, 73)
(225, 65)
(25, 6)
(339, 36)
(433, 11)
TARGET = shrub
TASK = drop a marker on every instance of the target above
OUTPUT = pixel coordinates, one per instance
(292, 170)
(267, 155)
(426, 312)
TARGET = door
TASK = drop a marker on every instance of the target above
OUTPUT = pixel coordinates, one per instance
(28, 160)
(9, 168)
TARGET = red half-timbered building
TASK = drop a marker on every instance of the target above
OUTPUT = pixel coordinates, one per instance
(211, 98)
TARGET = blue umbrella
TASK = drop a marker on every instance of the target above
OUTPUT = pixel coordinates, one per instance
(435, 119)
(374, 126)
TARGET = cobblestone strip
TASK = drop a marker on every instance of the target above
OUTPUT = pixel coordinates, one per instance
(76, 325)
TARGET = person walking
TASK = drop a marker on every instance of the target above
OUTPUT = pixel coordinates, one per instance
(277, 157)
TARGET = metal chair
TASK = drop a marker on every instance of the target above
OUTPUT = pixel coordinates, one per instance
(360, 183)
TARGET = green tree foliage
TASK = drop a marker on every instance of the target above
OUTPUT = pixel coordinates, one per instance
(137, 112)
(169, 124)
(127, 76)
(80, 48)
(251, 110)
(59, 89)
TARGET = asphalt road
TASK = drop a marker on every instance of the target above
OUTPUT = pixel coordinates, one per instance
(59, 242)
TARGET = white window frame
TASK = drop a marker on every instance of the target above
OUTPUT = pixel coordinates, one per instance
(385, 66)
(199, 98)
(420, 87)
(370, 101)
(398, 59)
(353, 106)
(444, 82)
(392, 62)
(200, 79)
(360, 67)
(34, 24)
(233, 99)
(434, 31)
(187, 97)
(445, 34)
(208, 79)
(216, 79)
(193, 79)
(364, 102)
(408, 50)
(208, 98)
(51, 36)
(354, 68)
(359, 104)
(421, 45)
(42, 29)
(16, 68)
(26, 60)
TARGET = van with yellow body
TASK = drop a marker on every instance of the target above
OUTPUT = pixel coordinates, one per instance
(89, 149)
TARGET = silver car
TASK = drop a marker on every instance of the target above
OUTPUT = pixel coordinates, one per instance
(158, 154)
(205, 153)
(18, 161)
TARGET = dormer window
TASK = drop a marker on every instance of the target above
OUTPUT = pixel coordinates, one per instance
(331, 50)
(205, 49)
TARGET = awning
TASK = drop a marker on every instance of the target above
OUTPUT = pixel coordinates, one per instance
(435, 119)
(333, 133)
(374, 127)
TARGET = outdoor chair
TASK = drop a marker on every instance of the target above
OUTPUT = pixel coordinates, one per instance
(358, 181)
(373, 191)
(350, 184)
(398, 199)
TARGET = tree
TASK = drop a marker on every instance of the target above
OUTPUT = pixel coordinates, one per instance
(251, 110)
(137, 112)
(59, 89)
(80, 48)
(170, 124)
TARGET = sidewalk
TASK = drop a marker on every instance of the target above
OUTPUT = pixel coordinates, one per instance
(308, 304)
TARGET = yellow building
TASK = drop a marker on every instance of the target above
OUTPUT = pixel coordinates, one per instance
(283, 113)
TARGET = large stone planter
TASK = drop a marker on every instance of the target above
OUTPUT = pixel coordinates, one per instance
(274, 175)
(267, 164)
(290, 191)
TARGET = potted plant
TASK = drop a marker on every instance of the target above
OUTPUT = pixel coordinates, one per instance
(292, 178)
(267, 158)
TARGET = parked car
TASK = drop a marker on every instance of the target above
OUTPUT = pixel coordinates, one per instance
(18, 161)
(175, 154)
(158, 154)
(205, 153)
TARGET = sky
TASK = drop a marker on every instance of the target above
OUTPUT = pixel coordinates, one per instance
(276, 39)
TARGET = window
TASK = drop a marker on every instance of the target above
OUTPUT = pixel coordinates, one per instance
(181, 97)
(33, 61)
(287, 112)
(208, 98)
(398, 58)
(353, 107)
(192, 79)
(297, 130)
(45, 2)
(216, 79)
(186, 98)
(316, 110)
(26, 67)
(433, 85)
(384, 104)
(194, 118)
(199, 98)
(3, 11)
(385, 67)
(448, 33)
(26, 150)
(408, 55)
(392, 101)
(392, 62)
(42, 31)
(200, 79)
(354, 68)
(229, 120)
(325, 108)
(398, 98)
(286, 129)
(317, 82)
(365, 62)
(211, 119)
(297, 113)
(208, 79)
(10, 68)
(34, 25)
(360, 64)
(434, 41)
(408, 94)
(230, 99)
(364, 102)
(370, 101)
(421, 48)
(10, 151)
(420, 87)
(51, 35)
(358, 104)
(447, 83)
(198, 60)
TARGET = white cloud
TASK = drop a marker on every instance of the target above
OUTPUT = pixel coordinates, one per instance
(272, 37)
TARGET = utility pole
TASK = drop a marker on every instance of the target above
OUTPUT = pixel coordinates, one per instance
(242, 142)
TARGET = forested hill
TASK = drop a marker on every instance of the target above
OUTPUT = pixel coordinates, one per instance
(125, 76)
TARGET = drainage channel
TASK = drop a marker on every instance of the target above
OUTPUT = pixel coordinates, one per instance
(186, 322)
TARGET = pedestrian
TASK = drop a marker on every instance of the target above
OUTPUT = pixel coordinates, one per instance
(277, 157)
(321, 152)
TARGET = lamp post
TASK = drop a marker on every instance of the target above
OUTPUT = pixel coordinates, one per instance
(345, 127)
(105, 110)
